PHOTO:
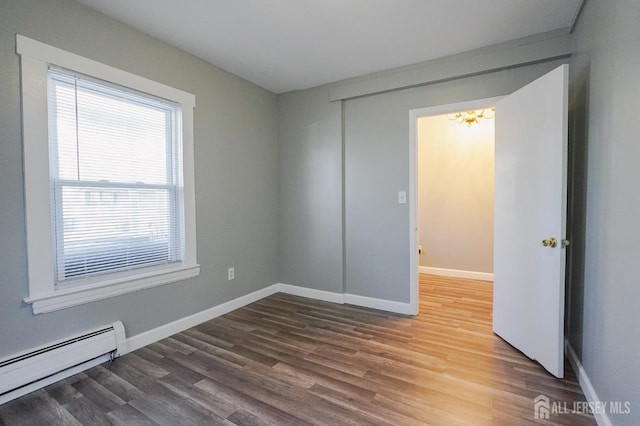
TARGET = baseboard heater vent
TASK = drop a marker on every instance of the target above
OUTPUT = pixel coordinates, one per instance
(24, 370)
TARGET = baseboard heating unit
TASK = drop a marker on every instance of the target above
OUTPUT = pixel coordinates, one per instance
(35, 368)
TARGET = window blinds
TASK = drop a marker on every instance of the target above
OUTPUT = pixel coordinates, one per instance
(116, 178)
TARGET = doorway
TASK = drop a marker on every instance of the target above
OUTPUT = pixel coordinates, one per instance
(452, 150)
(530, 215)
(455, 194)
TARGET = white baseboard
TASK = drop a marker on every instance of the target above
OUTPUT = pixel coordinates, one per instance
(382, 304)
(311, 293)
(164, 331)
(148, 337)
(456, 273)
(140, 340)
(587, 388)
(351, 299)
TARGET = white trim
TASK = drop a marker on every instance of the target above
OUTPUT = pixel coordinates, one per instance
(602, 418)
(457, 273)
(346, 298)
(42, 52)
(148, 337)
(164, 331)
(60, 299)
(36, 176)
(414, 289)
(43, 294)
(143, 339)
(414, 114)
(189, 186)
(311, 293)
(381, 304)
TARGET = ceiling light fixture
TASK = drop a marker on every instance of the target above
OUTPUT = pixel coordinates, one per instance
(472, 116)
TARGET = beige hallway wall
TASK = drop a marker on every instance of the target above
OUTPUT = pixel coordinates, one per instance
(455, 194)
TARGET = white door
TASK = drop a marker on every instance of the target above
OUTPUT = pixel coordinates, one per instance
(530, 206)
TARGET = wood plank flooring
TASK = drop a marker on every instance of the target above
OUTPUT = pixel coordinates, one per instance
(287, 360)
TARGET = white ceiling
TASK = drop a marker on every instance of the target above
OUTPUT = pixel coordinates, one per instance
(285, 45)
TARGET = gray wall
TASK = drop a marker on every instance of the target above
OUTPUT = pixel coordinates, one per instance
(343, 163)
(604, 261)
(372, 145)
(377, 167)
(604, 204)
(236, 176)
(310, 185)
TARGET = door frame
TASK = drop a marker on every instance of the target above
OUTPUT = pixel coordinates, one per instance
(414, 115)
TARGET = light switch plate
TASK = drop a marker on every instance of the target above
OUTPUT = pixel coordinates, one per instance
(402, 197)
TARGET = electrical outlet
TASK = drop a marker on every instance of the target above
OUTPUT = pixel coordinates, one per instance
(231, 273)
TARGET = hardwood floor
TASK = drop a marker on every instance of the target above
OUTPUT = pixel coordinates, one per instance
(287, 360)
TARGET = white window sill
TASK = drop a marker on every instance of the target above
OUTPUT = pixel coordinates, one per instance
(65, 298)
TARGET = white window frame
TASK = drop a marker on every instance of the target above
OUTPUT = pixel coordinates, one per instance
(44, 296)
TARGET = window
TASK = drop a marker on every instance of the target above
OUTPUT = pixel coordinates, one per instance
(116, 177)
(108, 179)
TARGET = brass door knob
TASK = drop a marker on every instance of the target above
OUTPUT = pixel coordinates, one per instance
(550, 242)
